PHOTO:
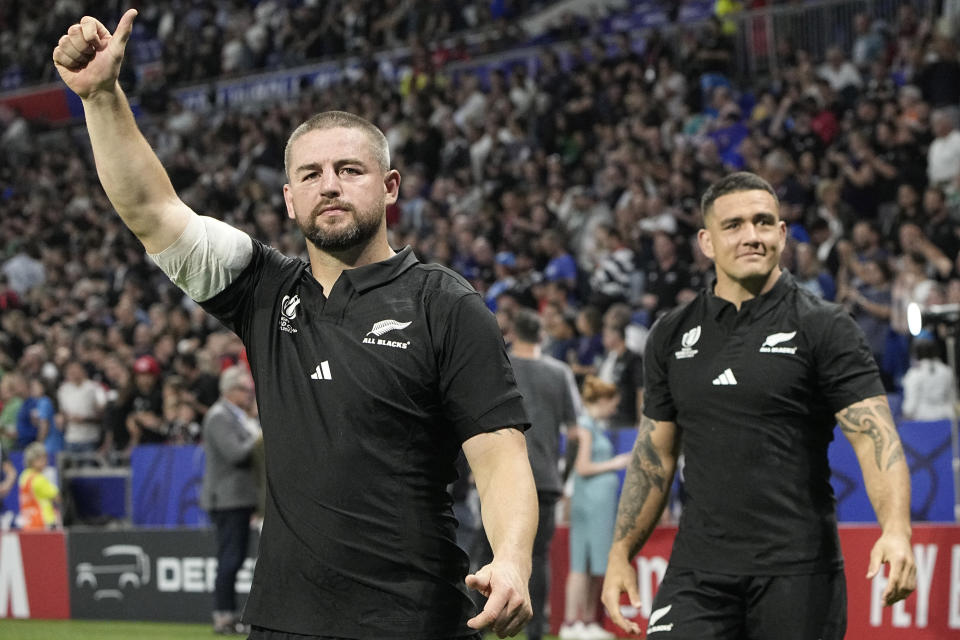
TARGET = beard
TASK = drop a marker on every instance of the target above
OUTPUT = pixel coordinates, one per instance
(357, 231)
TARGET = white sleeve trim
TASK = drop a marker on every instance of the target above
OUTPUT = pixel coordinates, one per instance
(206, 258)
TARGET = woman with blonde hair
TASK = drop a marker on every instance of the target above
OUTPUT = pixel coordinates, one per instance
(39, 496)
(593, 510)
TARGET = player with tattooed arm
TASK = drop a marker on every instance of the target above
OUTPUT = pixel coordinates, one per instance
(748, 381)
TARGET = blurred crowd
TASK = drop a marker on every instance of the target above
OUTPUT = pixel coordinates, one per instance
(186, 41)
(568, 188)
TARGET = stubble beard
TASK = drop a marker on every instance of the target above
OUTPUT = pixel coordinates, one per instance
(364, 225)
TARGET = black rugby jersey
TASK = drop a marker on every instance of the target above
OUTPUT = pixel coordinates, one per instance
(365, 397)
(754, 394)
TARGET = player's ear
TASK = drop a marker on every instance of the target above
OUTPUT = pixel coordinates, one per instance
(391, 185)
(288, 200)
(706, 243)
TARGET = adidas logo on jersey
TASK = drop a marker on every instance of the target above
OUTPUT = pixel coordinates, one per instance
(322, 372)
(725, 379)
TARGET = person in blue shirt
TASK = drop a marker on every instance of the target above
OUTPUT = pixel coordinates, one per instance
(35, 420)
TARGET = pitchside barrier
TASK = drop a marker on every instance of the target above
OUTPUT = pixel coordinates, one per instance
(168, 575)
(164, 568)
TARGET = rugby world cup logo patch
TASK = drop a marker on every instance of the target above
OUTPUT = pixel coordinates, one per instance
(288, 312)
(689, 339)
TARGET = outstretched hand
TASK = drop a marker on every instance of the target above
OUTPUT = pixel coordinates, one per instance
(508, 606)
(88, 57)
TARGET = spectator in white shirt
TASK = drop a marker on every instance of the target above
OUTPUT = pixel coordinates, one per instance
(943, 158)
(929, 386)
(81, 403)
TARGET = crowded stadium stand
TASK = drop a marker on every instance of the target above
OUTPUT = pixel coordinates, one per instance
(553, 153)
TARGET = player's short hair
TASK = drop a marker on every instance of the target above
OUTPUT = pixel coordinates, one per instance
(337, 120)
(734, 183)
(526, 326)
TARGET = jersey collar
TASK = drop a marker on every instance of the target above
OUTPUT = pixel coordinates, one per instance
(373, 275)
(755, 306)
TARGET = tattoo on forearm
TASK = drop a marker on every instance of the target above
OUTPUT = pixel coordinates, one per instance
(873, 419)
(644, 474)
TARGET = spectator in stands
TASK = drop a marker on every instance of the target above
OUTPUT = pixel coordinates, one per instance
(929, 386)
(24, 270)
(560, 264)
(13, 391)
(612, 279)
(870, 303)
(590, 349)
(39, 497)
(841, 74)
(181, 421)
(621, 367)
(80, 401)
(943, 158)
(35, 420)
(142, 406)
(868, 43)
(229, 491)
(8, 476)
(811, 275)
(664, 276)
(940, 228)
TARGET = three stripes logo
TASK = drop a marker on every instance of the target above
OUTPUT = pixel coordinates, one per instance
(725, 379)
(322, 372)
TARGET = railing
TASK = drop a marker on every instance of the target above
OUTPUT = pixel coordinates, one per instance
(810, 26)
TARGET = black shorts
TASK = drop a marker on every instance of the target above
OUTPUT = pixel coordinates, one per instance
(697, 605)
(260, 633)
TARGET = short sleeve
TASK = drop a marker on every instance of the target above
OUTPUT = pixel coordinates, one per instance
(846, 370)
(234, 305)
(477, 386)
(657, 400)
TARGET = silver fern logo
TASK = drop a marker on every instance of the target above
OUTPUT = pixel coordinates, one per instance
(385, 326)
(770, 344)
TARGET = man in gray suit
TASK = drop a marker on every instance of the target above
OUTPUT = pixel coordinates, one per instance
(552, 401)
(230, 486)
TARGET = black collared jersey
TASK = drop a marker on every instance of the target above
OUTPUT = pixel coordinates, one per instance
(754, 395)
(365, 397)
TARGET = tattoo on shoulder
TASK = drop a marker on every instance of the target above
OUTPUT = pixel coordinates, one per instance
(644, 474)
(872, 419)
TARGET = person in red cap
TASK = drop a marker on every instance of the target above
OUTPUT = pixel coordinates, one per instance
(143, 404)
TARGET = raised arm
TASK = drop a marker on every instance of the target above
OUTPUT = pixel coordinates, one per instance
(88, 58)
(509, 510)
(869, 427)
(645, 492)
